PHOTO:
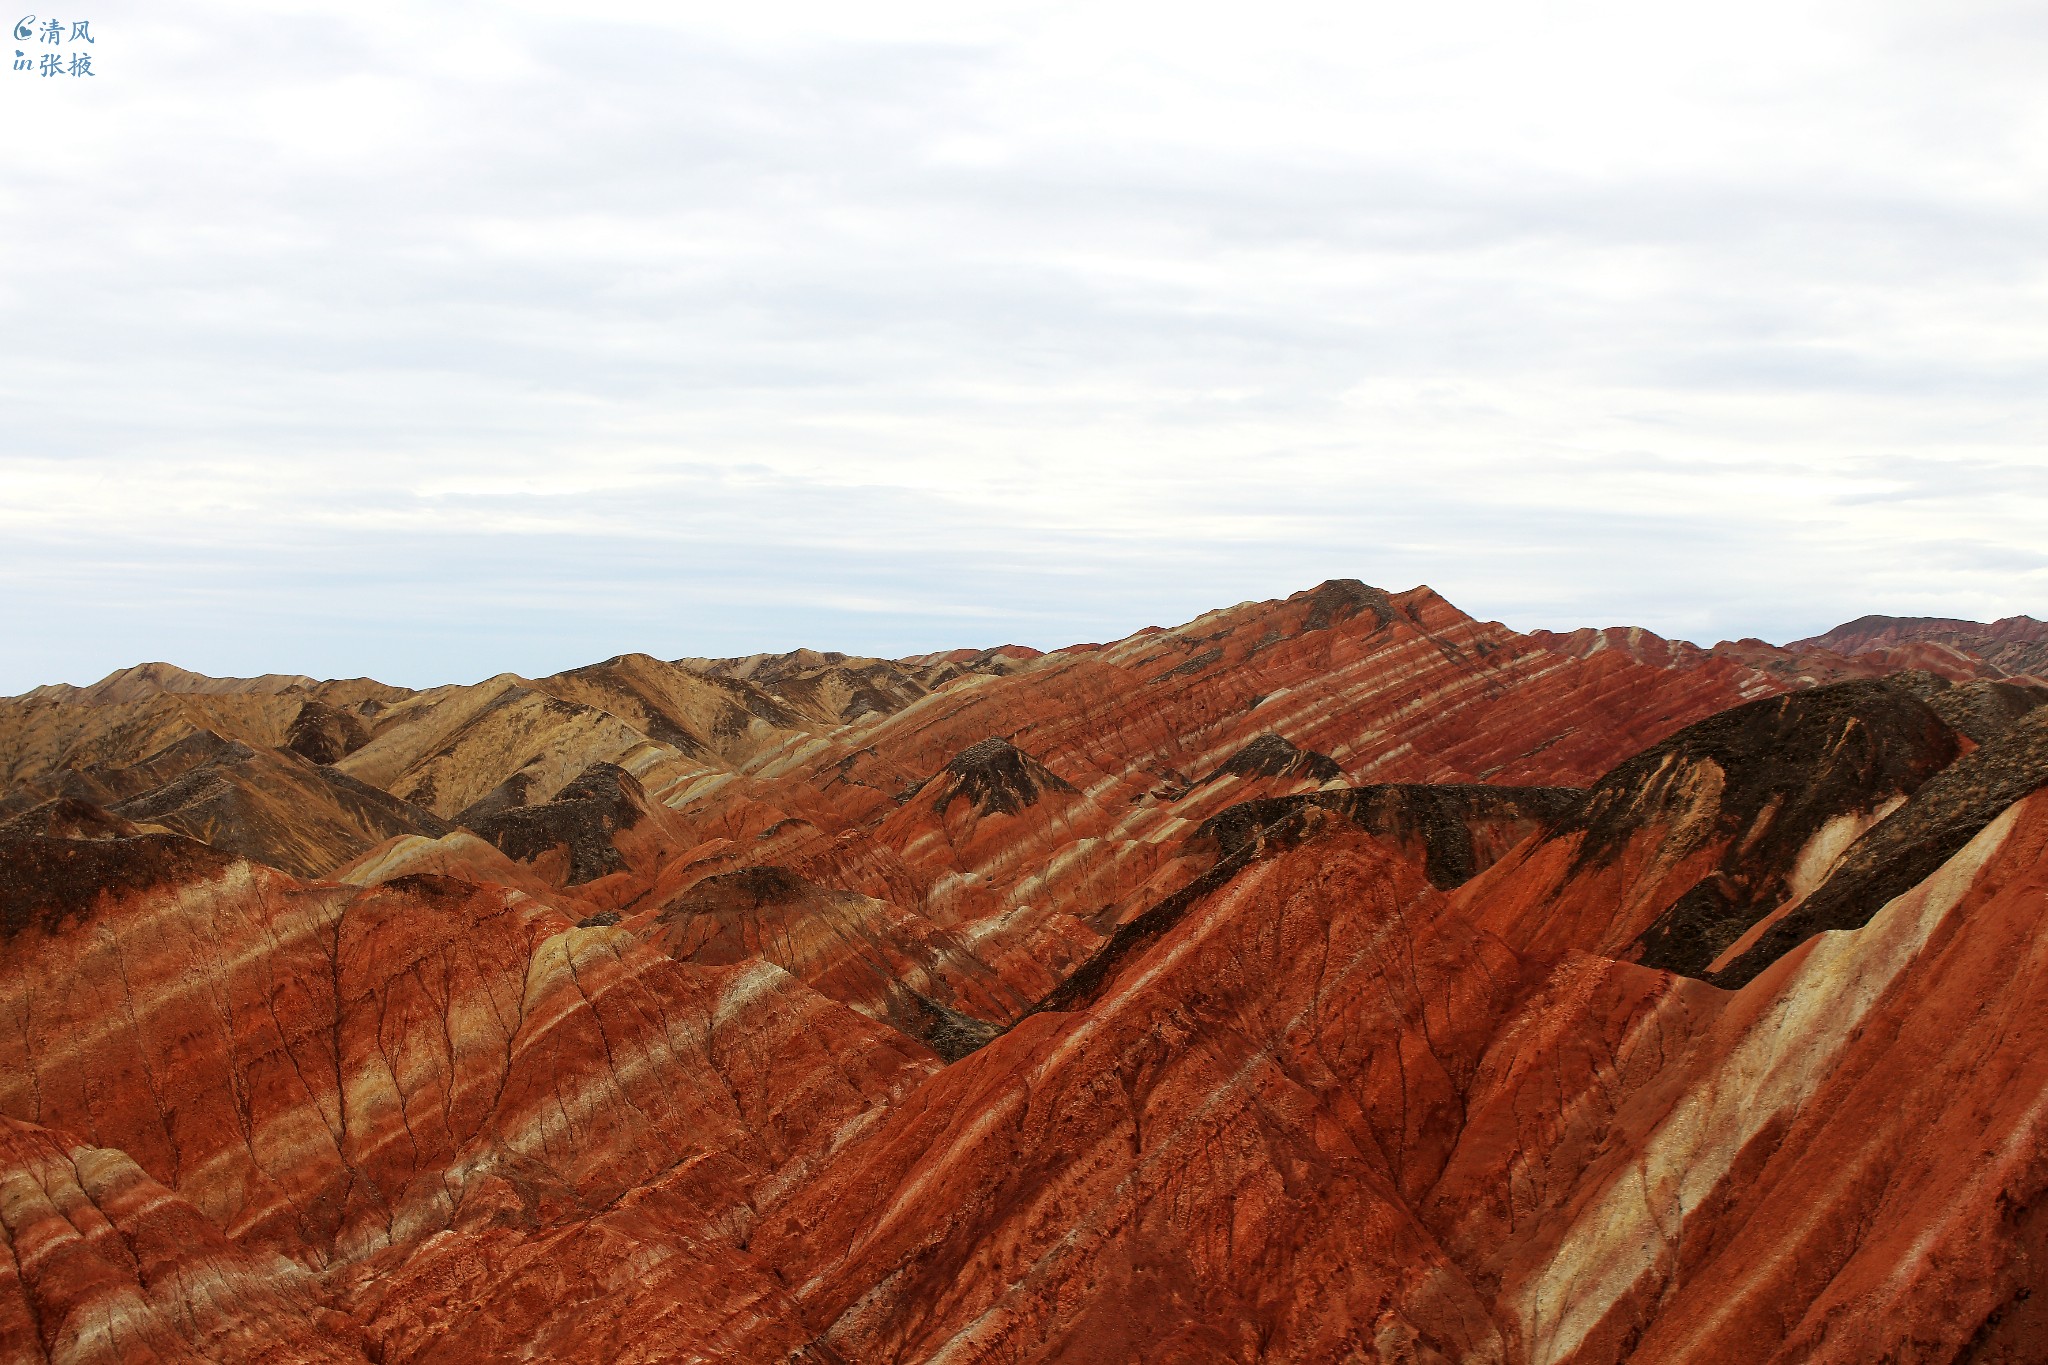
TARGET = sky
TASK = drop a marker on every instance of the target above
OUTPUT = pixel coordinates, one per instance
(431, 341)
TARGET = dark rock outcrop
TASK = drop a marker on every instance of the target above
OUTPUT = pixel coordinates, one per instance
(1272, 755)
(1910, 843)
(1444, 828)
(325, 734)
(1455, 830)
(67, 817)
(996, 778)
(1340, 599)
(44, 882)
(1772, 774)
(583, 818)
(1985, 709)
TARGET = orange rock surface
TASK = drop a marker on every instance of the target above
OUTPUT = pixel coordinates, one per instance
(1336, 978)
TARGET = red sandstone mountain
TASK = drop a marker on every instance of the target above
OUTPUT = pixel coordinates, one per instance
(1337, 978)
(2016, 644)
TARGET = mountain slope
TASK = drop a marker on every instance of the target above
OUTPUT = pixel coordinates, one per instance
(1329, 978)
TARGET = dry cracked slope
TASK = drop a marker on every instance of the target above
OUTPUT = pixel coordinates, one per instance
(1335, 978)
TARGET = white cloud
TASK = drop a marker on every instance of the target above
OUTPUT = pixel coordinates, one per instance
(438, 341)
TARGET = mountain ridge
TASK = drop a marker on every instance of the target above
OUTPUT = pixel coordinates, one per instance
(1864, 634)
(1329, 977)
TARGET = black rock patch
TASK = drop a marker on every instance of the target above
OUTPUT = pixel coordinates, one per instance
(1907, 846)
(997, 778)
(44, 882)
(323, 734)
(1785, 766)
(1984, 710)
(1251, 831)
(1272, 755)
(1340, 599)
(583, 817)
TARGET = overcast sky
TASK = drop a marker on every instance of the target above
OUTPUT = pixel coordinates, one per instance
(430, 341)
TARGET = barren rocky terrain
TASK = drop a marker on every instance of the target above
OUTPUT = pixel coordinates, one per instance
(1337, 978)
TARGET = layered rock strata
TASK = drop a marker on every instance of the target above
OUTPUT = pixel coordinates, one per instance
(1336, 978)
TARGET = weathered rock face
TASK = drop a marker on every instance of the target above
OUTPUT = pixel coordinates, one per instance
(1272, 756)
(67, 817)
(578, 831)
(1984, 710)
(1909, 844)
(1130, 1180)
(1656, 1170)
(1336, 978)
(1040, 807)
(324, 734)
(1451, 831)
(106, 1264)
(887, 963)
(267, 803)
(1678, 852)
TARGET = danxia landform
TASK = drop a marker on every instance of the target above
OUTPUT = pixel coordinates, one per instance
(1338, 978)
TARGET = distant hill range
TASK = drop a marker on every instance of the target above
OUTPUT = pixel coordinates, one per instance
(2017, 644)
(1868, 647)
